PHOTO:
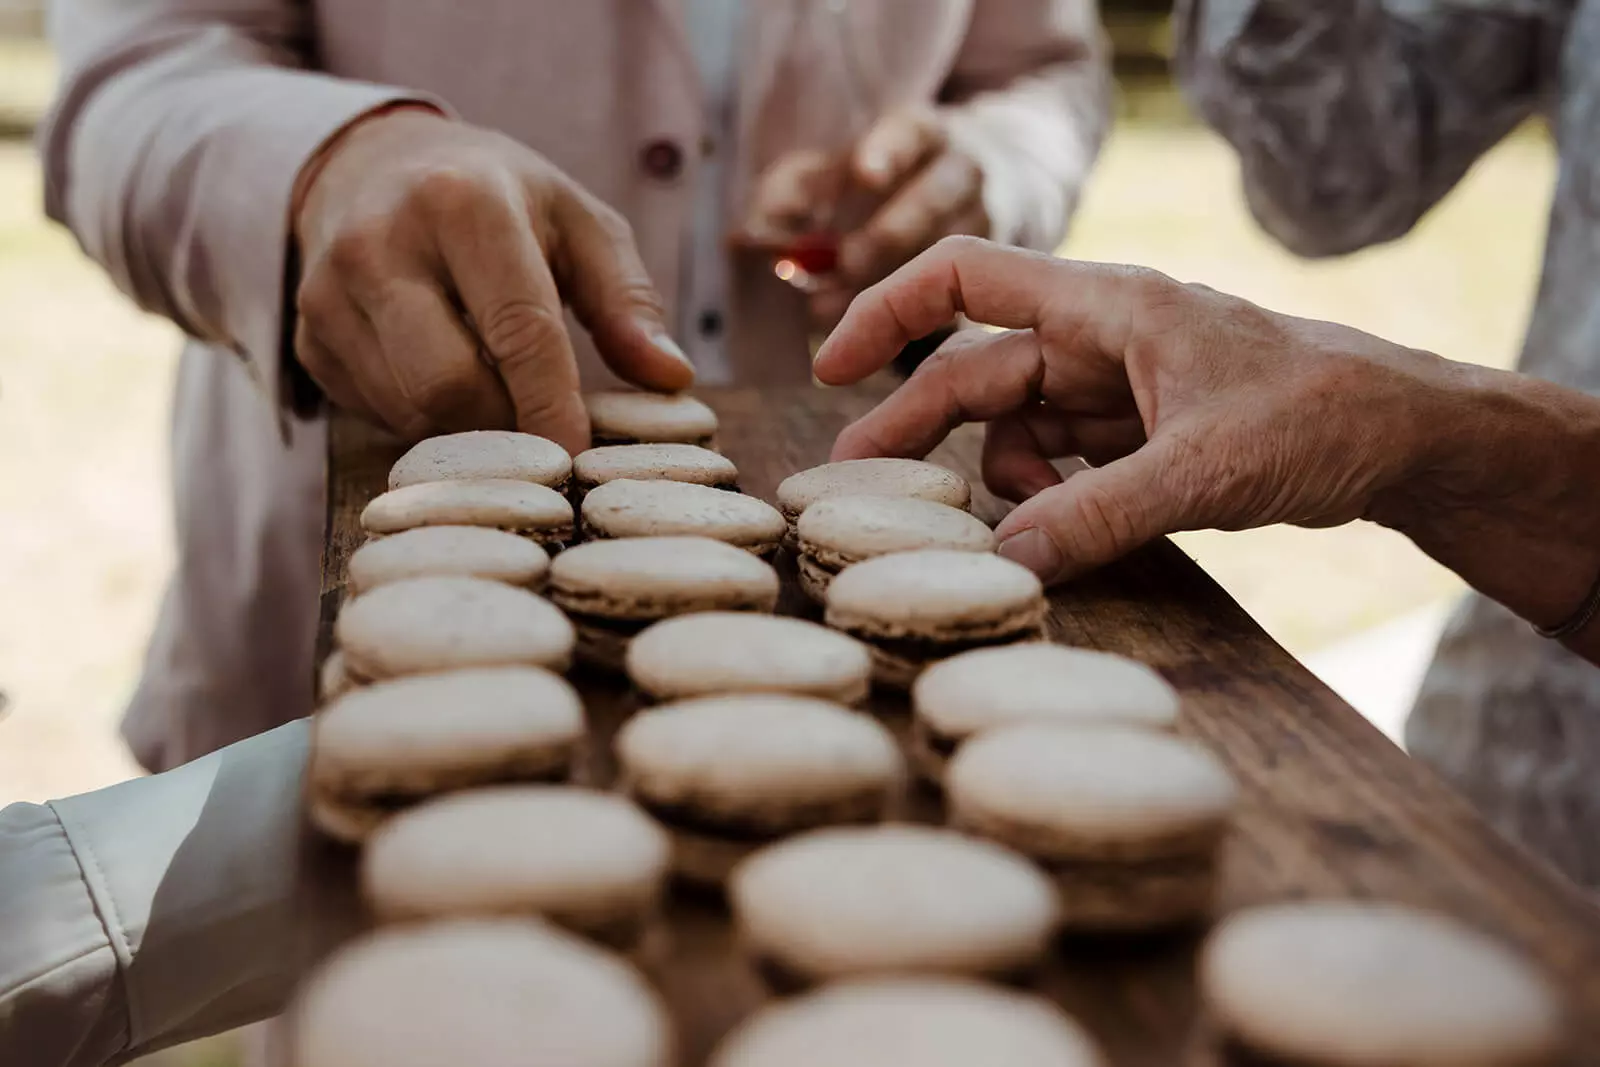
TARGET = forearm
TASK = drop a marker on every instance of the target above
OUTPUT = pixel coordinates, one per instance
(1507, 493)
(165, 908)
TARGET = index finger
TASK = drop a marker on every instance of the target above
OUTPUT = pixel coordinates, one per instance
(989, 283)
(499, 269)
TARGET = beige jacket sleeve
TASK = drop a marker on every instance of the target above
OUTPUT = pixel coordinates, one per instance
(1029, 98)
(172, 150)
(163, 909)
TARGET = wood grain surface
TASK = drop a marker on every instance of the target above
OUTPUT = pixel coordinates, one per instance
(1330, 807)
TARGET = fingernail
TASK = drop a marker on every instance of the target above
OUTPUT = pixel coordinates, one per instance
(669, 347)
(1034, 549)
(874, 166)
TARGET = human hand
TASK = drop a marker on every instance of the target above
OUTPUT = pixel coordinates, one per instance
(437, 259)
(1198, 409)
(920, 189)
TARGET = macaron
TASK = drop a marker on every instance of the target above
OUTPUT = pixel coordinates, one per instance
(912, 608)
(853, 901)
(382, 748)
(1034, 681)
(502, 992)
(439, 551)
(536, 512)
(630, 508)
(835, 532)
(920, 1021)
(1356, 984)
(614, 589)
(729, 774)
(479, 454)
(1127, 822)
(422, 625)
(653, 463)
(332, 679)
(737, 652)
(590, 861)
(630, 417)
(886, 476)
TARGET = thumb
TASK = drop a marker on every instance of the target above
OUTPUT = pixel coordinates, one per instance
(1092, 518)
(896, 145)
(604, 281)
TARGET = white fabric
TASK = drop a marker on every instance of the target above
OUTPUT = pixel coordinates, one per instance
(713, 28)
(164, 908)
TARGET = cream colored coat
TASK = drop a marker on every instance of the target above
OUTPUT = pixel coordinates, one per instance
(181, 126)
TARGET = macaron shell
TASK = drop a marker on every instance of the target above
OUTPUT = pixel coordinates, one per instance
(725, 756)
(852, 901)
(434, 624)
(1039, 681)
(917, 1022)
(333, 681)
(935, 593)
(521, 507)
(654, 577)
(1063, 793)
(631, 508)
(649, 417)
(478, 454)
(585, 859)
(874, 477)
(465, 551)
(440, 731)
(484, 992)
(724, 652)
(654, 462)
(1361, 984)
(839, 531)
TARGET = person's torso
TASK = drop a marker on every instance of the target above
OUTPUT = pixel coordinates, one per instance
(1563, 342)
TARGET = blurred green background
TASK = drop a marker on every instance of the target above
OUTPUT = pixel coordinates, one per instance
(84, 382)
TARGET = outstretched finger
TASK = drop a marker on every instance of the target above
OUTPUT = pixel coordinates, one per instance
(973, 377)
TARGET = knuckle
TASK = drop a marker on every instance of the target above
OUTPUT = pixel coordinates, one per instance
(359, 251)
(522, 330)
(609, 221)
(1100, 523)
(955, 246)
(315, 299)
(448, 191)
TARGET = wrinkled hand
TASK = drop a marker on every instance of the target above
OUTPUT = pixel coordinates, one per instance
(437, 259)
(1198, 410)
(922, 189)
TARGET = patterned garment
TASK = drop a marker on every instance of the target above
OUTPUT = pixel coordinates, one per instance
(1352, 118)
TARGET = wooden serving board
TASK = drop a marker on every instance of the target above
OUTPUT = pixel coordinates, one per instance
(1330, 807)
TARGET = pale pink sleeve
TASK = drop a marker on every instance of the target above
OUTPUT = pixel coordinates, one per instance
(172, 149)
(1030, 98)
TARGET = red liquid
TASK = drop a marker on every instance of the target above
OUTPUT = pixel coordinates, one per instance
(814, 253)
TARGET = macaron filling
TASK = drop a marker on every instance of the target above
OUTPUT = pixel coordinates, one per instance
(707, 845)
(361, 804)
(613, 436)
(900, 658)
(762, 549)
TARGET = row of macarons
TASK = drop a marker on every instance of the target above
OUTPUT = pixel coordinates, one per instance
(907, 918)
(855, 901)
(411, 871)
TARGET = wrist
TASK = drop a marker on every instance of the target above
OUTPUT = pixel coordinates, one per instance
(318, 161)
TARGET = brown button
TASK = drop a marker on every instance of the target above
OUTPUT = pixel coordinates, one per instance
(662, 160)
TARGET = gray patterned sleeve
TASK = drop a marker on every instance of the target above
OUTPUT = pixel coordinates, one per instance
(1353, 117)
